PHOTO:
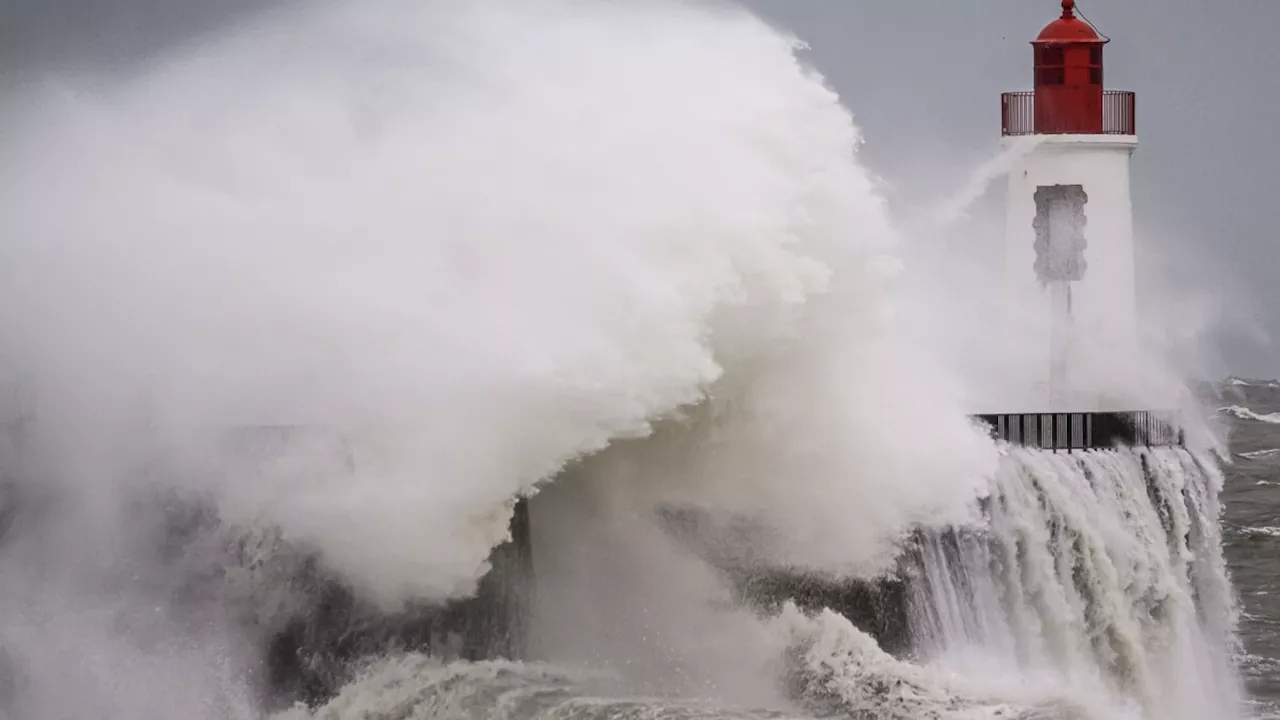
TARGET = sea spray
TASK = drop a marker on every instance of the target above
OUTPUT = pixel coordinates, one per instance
(956, 206)
(477, 242)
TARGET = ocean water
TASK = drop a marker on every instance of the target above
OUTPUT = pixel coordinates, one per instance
(1251, 520)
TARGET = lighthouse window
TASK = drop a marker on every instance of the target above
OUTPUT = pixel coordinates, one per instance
(1052, 56)
(1050, 66)
(1095, 62)
(1050, 76)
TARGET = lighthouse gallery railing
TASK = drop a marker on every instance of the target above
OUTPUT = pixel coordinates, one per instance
(1018, 113)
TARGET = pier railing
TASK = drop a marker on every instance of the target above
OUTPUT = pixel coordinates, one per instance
(1084, 430)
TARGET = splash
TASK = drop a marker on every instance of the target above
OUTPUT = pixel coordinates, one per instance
(836, 668)
(956, 206)
(1102, 569)
(418, 686)
(456, 248)
(476, 242)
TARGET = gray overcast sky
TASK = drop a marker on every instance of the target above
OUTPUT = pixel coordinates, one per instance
(923, 78)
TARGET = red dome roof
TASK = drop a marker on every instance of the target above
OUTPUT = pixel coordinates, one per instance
(1069, 28)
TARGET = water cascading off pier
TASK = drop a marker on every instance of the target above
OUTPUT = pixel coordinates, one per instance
(1102, 567)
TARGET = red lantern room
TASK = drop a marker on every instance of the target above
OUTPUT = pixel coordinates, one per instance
(1068, 96)
(1068, 80)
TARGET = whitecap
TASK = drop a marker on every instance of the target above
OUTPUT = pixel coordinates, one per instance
(1245, 413)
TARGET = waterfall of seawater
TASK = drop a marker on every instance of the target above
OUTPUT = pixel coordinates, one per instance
(1101, 569)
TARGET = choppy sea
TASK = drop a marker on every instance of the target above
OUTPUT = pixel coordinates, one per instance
(1252, 526)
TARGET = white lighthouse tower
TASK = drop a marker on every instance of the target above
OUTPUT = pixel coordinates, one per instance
(1069, 239)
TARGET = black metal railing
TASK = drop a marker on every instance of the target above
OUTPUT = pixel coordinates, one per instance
(1119, 113)
(1084, 430)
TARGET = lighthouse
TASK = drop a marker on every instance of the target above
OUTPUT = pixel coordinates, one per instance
(1071, 355)
(1069, 248)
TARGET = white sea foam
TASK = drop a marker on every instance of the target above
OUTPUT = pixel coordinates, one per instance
(1245, 413)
